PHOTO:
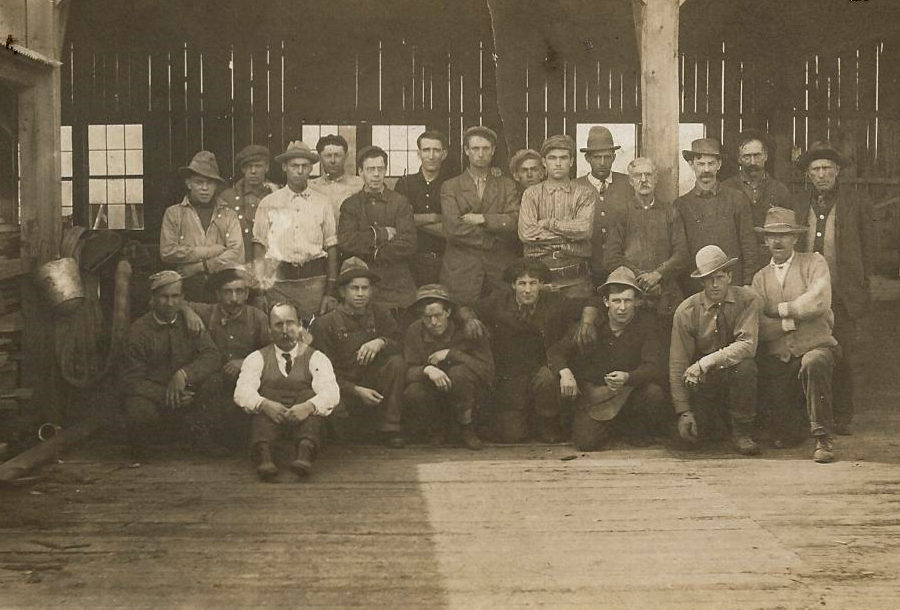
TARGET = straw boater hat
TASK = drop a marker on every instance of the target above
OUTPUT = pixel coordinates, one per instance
(433, 291)
(822, 149)
(296, 149)
(702, 146)
(710, 259)
(203, 164)
(163, 279)
(599, 139)
(780, 220)
(353, 268)
(622, 276)
(250, 153)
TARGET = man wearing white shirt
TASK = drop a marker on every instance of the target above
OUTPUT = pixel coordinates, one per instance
(797, 351)
(286, 386)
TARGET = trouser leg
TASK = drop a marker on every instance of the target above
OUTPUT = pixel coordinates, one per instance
(310, 430)
(845, 332)
(589, 434)
(543, 388)
(463, 393)
(780, 393)
(645, 412)
(510, 417)
(263, 429)
(142, 419)
(816, 369)
(388, 377)
(423, 402)
(741, 397)
(707, 402)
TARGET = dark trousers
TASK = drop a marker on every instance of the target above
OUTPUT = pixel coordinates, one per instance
(732, 390)
(264, 430)
(353, 420)
(432, 406)
(147, 417)
(845, 332)
(645, 412)
(426, 267)
(785, 386)
(519, 399)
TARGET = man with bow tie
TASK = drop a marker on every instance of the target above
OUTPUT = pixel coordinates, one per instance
(377, 225)
(797, 351)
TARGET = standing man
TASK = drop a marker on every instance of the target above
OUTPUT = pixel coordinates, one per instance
(841, 228)
(362, 340)
(796, 350)
(711, 360)
(423, 191)
(295, 254)
(762, 190)
(446, 370)
(201, 234)
(527, 168)
(480, 213)
(376, 225)
(286, 386)
(715, 215)
(252, 162)
(648, 238)
(556, 220)
(613, 192)
(334, 182)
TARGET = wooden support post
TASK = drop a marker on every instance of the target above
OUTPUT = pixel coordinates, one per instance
(656, 24)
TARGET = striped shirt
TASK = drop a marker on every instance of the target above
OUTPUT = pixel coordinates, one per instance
(557, 217)
(295, 227)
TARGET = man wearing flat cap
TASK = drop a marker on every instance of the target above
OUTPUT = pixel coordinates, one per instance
(295, 255)
(334, 181)
(797, 351)
(446, 370)
(363, 342)
(201, 234)
(715, 215)
(613, 192)
(377, 225)
(556, 220)
(252, 162)
(527, 168)
(841, 228)
(712, 364)
(480, 212)
(164, 371)
(616, 383)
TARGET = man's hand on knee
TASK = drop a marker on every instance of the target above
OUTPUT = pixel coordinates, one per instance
(568, 387)
(438, 377)
(175, 389)
(275, 411)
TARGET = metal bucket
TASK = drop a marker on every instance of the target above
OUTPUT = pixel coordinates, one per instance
(61, 282)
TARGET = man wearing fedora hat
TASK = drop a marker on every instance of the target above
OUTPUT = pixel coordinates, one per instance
(613, 192)
(252, 163)
(363, 342)
(797, 351)
(446, 369)
(480, 212)
(556, 220)
(334, 181)
(617, 381)
(841, 228)
(715, 215)
(201, 234)
(711, 359)
(295, 254)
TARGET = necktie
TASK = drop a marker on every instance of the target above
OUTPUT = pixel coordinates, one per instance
(603, 187)
(288, 362)
(723, 333)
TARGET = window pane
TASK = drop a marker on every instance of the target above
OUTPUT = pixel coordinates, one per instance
(134, 139)
(115, 162)
(325, 130)
(66, 188)
(115, 137)
(381, 136)
(412, 135)
(134, 162)
(116, 216)
(398, 137)
(310, 133)
(65, 164)
(134, 217)
(97, 137)
(115, 190)
(65, 137)
(98, 216)
(97, 162)
(397, 164)
(97, 191)
(412, 162)
(134, 191)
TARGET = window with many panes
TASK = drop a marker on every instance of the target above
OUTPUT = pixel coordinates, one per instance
(116, 182)
(65, 162)
(311, 134)
(399, 141)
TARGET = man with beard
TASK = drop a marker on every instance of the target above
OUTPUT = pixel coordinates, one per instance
(201, 234)
(334, 182)
(252, 162)
(287, 387)
(527, 168)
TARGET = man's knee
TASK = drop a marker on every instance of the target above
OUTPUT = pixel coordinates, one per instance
(587, 433)
(393, 365)
(417, 393)
(817, 362)
(141, 412)
(544, 380)
(652, 395)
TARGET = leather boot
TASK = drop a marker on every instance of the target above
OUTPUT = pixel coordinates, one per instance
(302, 464)
(469, 438)
(265, 465)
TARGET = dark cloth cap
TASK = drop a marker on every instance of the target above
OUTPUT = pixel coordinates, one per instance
(432, 291)
(481, 131)
(562, 142)
(253, 152)
(520, 157)
(163, 279)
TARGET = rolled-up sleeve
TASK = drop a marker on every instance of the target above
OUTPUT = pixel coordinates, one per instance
(324, 384)
(246, 390)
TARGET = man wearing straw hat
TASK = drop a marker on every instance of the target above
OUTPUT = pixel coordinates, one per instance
(201, 234)
(295, 255)
(711, 359)
(617, 381)
(715, 215)
(796, 349)
(842, 229)
(252, 162)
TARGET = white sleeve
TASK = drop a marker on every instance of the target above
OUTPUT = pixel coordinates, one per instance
(324, 384)
(246, 390)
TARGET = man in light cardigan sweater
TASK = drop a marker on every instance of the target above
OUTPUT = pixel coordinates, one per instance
(797, 351)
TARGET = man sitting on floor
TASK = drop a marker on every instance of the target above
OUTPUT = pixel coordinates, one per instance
(287, 387)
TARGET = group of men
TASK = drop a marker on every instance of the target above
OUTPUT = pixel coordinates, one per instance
(467, 305)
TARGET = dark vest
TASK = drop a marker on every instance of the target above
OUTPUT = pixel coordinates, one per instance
(290, 390)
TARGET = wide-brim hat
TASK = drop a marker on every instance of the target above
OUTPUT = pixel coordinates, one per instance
(822, 149)
(228, 274)
(298, 149)
(599, 138)
(252, 152)
(622, 276)
(355, 267)
(702, 146)
(710, 259)
(203, 164)
(432, 291)
(780, 220)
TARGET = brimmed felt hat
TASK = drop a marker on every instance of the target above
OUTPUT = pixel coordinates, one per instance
(432, 291)
(823, 149)
(203, 164)
(520, 157)
(599, 138)
(252, 152)
(780, 220)
(481, 131)
(353, 268)
(164, 278)
(298, 148)
(622, 276)
(561, 141)
(228, 274)
(710, 259)
(702, 146)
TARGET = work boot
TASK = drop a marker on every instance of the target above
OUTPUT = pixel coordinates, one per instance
(824, 452)
(302, 464)
(746, 445)
(393, 439)
(469, 438)
(265, 465)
